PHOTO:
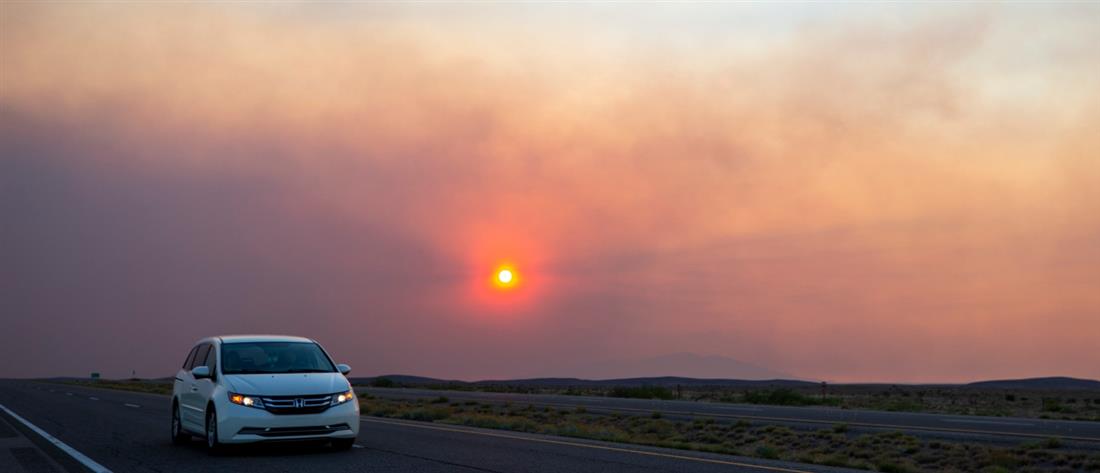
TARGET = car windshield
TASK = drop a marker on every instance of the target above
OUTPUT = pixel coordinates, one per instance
(274, 357)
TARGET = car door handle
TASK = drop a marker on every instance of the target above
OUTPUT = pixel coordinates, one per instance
(194, 388)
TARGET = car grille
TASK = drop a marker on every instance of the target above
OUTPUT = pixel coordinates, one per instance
(293, 431)
(311, 404)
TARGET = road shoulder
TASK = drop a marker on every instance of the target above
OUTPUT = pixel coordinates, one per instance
(23, 450)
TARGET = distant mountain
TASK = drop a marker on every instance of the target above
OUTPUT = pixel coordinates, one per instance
(407, 380)
(686, 369)
(649, 381)
(686, 365)
(1058, 382)
(418, 381)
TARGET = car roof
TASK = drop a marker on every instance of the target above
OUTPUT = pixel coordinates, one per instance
(261, 338)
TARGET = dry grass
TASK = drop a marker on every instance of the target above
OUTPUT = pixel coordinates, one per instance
(835, 446)
(945, 399)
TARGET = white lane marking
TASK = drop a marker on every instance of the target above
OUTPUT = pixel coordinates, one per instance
(990, 422)
(587, 445)
(80, 457)
(93, 398)
(131, 405)
(358, 446)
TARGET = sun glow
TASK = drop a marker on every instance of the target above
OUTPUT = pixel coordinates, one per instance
(505, 277)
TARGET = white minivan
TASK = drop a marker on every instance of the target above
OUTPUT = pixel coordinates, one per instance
(257, 388)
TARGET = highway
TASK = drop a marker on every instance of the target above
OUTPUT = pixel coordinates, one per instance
(1086, 433)
(123, 431)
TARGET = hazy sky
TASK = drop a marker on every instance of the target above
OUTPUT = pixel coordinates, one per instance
(842, 192)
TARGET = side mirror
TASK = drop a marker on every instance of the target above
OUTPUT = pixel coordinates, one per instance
(201, 372)
(343, 369)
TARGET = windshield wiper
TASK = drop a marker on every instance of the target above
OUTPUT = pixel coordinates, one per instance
(304, 370)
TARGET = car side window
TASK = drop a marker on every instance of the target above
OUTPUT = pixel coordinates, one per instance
(190, 358)
(211, 358)
(200, 356)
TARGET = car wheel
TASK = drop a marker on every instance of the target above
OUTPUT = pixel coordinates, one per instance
(179, 436)
(213, 446)
(342, 444)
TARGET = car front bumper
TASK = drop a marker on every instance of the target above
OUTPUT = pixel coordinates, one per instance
(239, 424)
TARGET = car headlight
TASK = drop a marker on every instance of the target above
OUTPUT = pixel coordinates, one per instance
(247, 401)
(343, 397)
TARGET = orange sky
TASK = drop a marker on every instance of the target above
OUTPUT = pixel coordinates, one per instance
(851, 193)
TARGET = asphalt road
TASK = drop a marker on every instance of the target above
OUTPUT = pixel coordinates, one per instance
(1084, 432)
(124, 431)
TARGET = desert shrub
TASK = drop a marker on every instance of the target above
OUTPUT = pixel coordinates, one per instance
(765, 451)
(1004, 459)
(480, 420)
(383, 383)
(429, 414)
(786, 397)
(642, 392)
(380, 410)
(891, 467)
(1052, 405)
(902, 406)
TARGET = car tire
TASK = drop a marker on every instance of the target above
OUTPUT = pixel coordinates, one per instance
(179, 436)
(342, 444)
(213, 446)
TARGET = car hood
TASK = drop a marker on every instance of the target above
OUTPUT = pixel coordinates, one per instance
(288, 384)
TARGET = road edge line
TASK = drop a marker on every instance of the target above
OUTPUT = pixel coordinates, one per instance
(72, 452)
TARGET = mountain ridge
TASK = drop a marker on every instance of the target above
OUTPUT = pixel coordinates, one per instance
(1050, 382)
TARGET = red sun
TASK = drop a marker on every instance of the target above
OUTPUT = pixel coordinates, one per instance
(505, 277)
